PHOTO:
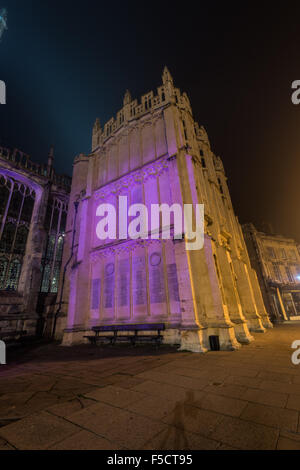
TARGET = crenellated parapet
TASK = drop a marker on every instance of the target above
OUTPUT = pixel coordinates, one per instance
(22, 162)
(134, 109)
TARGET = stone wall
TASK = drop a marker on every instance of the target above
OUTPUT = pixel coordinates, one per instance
(154, 152)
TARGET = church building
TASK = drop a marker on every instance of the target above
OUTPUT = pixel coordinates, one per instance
(33, 212)
(154, 152)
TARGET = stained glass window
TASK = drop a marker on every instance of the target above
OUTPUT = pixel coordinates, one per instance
(21, 240)
(13, 275)
(3, 269)
(46, 278)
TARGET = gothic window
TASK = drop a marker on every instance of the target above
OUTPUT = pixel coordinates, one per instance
(283, 253)
(3, 269)
(293, 254)
(55, 279)
(55, 219)
(7, 238)
(63, 222)
(59, 250)
(289, 274)
(271, 252)
(16, 203)
(203, 162)
(4, 194)
(28, 208)
(21, 240)
(13, 275)
(48, 217)
(55, 224)
(46, 278)
(277, 273)
(51, 246)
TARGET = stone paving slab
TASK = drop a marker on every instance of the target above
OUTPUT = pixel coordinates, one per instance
(85, 440)
(178, 439)
(129, 430)
(266, 397)
(70, 407)
(271, 416)
(115, 396)
(121, 397)
(195, 420)
(37, 431)
(245, 435)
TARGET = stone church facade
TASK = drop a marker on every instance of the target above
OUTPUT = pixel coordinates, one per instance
(154, 152)
(33, 212)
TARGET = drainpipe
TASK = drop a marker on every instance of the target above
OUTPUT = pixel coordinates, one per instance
(76, 205)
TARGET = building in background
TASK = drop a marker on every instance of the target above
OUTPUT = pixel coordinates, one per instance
(154, 152)
(276, 260)
(33, 212)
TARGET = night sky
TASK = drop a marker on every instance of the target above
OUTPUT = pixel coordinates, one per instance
(66, 63)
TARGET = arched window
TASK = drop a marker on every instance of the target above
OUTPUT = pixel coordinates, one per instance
(60, 245)
(15, 203)
(28, 208)
(55, 279)
(46, 278)
(21, 240)
(13, 275)
(51, 246)
(55, 224)
(4, 194)
(3, 269)
(7, 238)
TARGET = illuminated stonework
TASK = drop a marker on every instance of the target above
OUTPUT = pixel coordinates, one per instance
(33, 211)
(154, 152)
(276, 260)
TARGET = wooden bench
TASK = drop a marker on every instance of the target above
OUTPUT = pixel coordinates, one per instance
(133, 331)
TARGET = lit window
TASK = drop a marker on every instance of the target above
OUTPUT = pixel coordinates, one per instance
(277, 273)
(283, 253)
(289, 274)
(271, 252)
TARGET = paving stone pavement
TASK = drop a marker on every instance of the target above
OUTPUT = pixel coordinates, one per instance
(121, 397)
